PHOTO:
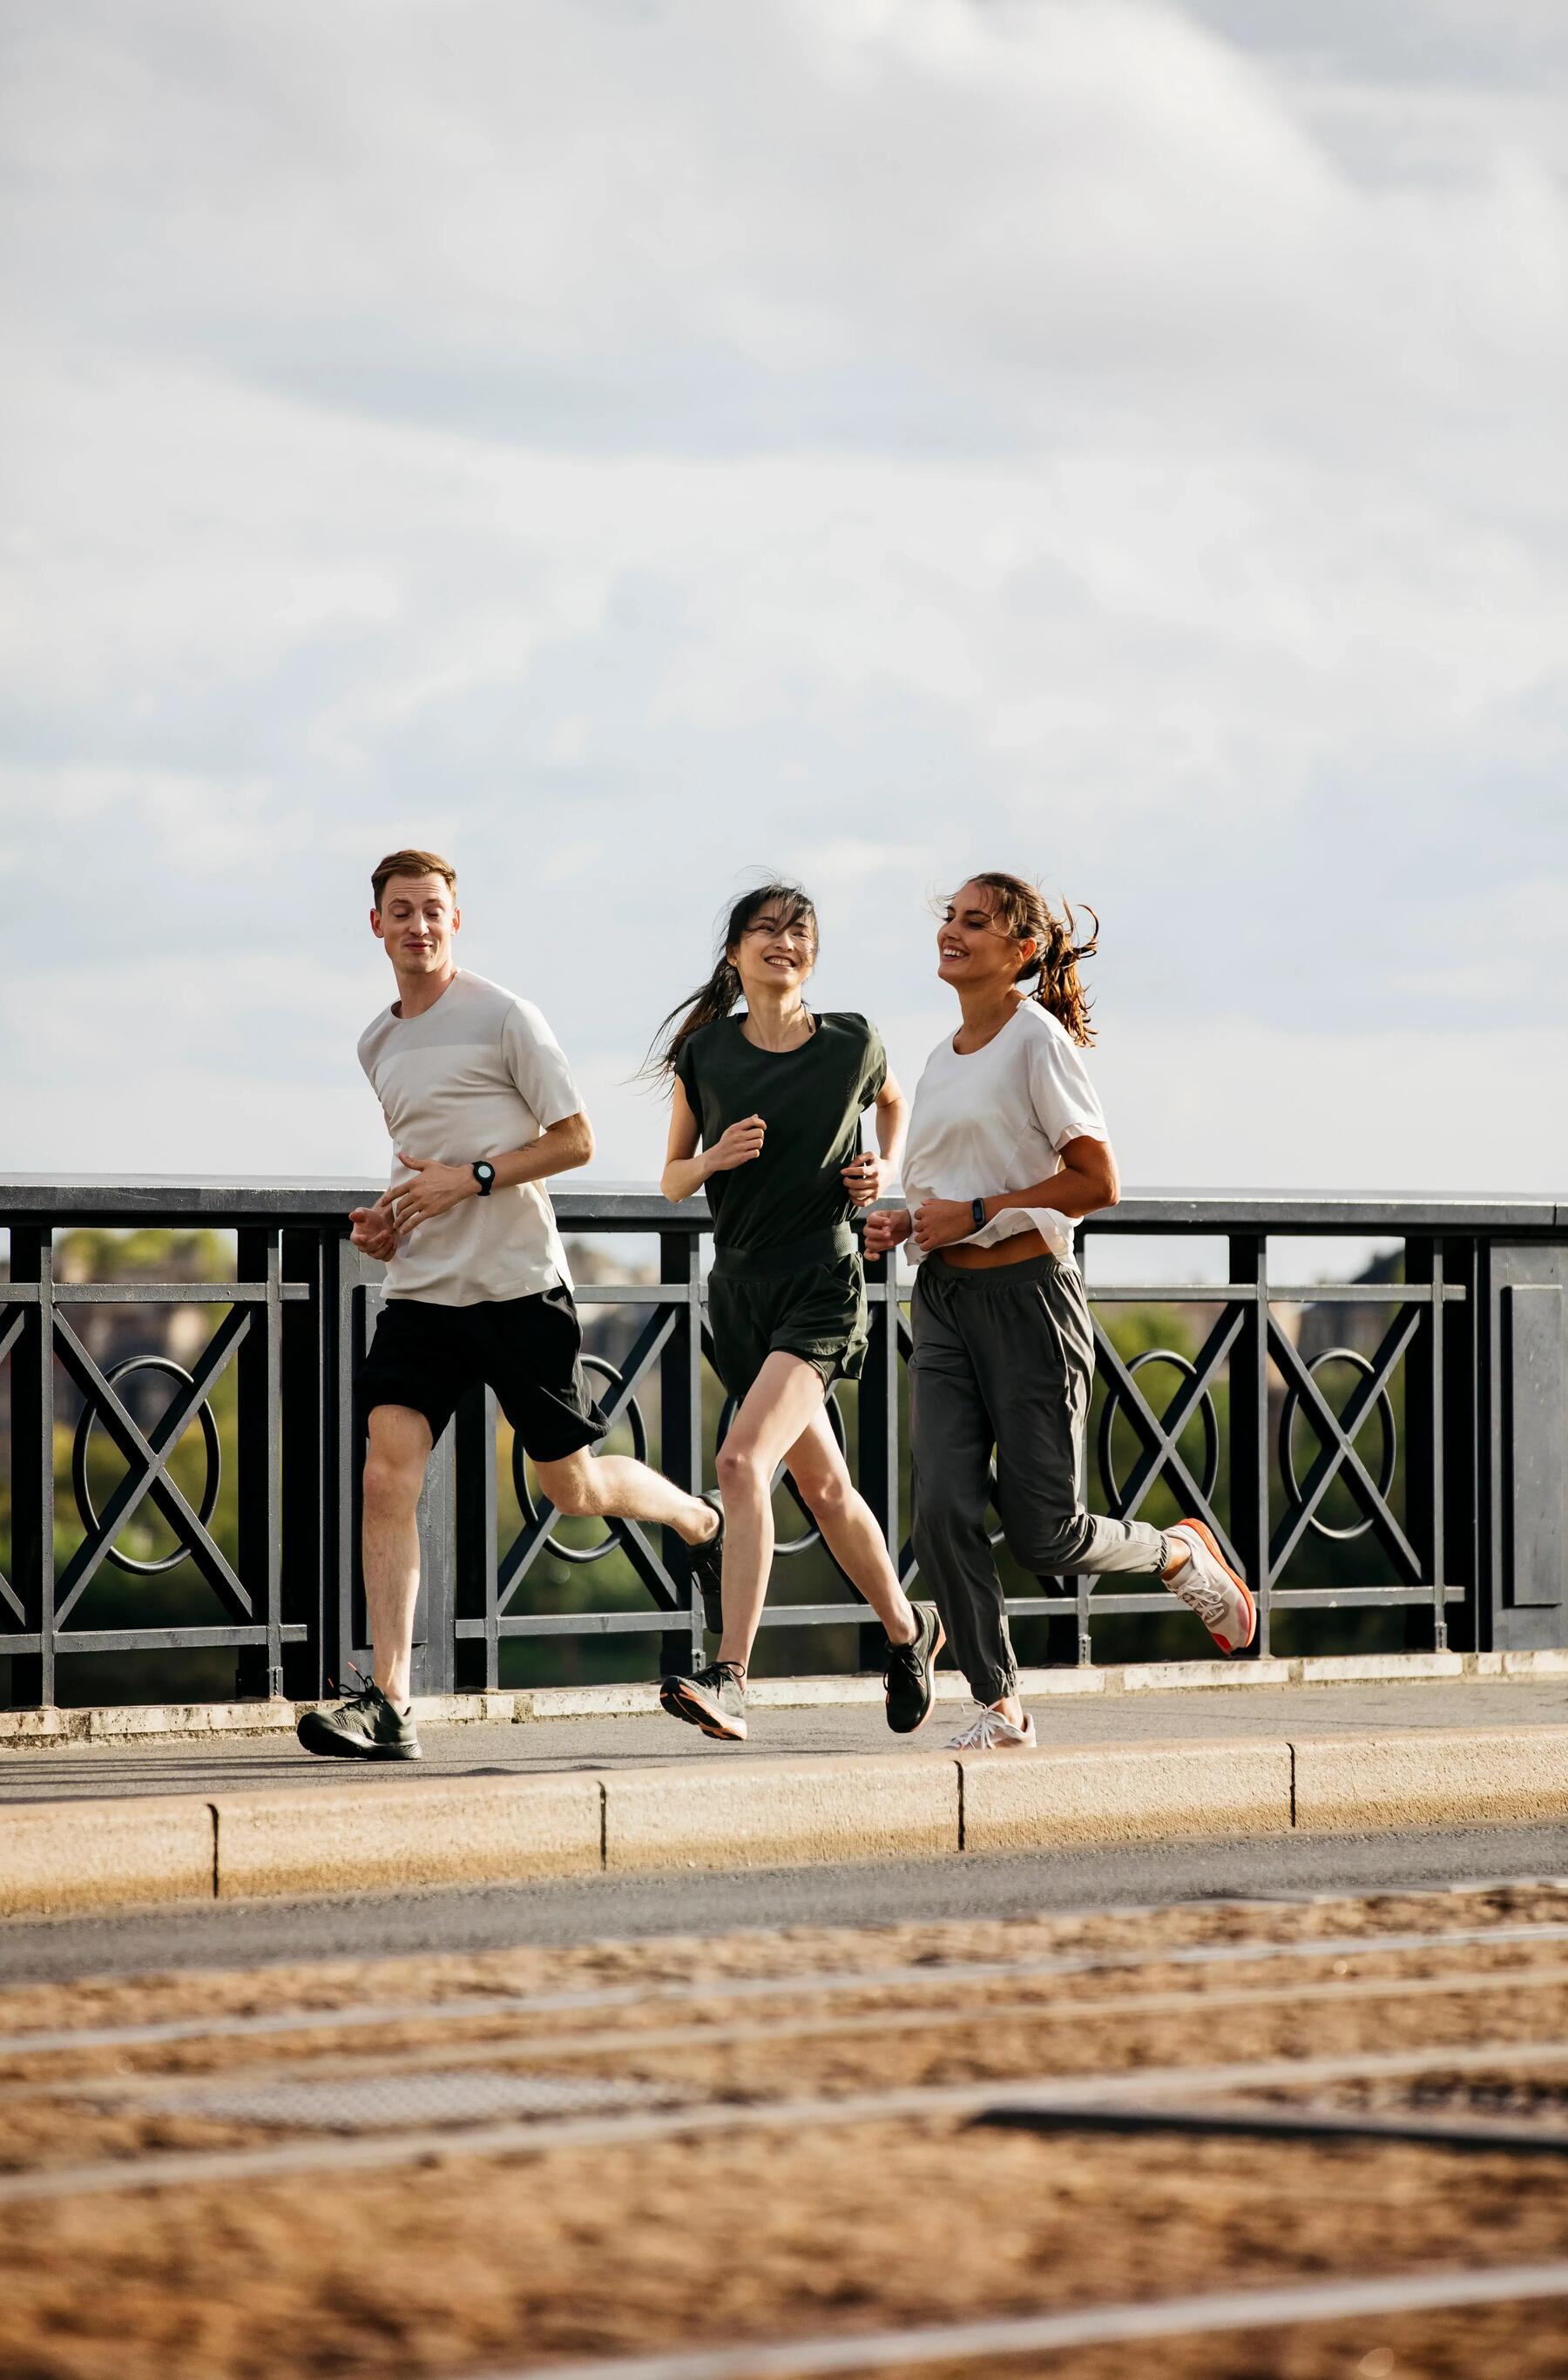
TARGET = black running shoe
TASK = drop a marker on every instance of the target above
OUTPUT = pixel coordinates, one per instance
(712, 1699)
(366, 1727)
(707, 1570)
(908, 1673)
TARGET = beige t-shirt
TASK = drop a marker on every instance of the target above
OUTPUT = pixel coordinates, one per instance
(477, 1075)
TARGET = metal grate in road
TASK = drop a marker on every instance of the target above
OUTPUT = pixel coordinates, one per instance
(376, 2104)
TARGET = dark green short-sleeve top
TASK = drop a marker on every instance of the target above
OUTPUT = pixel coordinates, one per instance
(812, 1099)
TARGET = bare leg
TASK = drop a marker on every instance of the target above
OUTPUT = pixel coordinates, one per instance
(849, 1527)
(592, 1486)
(783, 1399)
(394, 1470)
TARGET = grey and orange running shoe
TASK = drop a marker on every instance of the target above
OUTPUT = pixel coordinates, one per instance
(1207, 1586)
(366, 1727)
(712, 1699)
(907, 1676)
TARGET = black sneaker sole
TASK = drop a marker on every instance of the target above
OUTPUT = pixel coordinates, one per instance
(674, 1697)
(327, 1744)
(938, 1641)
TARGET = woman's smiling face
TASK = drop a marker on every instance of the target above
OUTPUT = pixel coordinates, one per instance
(975, 950)
(776, 951)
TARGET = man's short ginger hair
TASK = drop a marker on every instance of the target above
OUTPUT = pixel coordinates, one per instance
(411, 863)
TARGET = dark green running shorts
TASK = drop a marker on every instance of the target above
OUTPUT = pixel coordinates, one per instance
(806, 1299)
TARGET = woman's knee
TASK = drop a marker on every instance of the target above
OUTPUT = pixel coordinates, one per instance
(1050, 1541)
(742, 1473)
(830, 1496)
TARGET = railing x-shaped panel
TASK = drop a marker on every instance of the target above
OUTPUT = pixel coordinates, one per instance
(1162, 1458)
(11, 1327)
(533, 1537)
(1337, 1457)
(147, 1457)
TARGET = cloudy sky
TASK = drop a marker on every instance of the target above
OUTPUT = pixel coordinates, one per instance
(632, 444)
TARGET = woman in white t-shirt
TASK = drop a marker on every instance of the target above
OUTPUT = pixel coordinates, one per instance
(1007, 1148)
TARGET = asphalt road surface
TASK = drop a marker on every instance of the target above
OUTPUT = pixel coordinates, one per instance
(377, 1925)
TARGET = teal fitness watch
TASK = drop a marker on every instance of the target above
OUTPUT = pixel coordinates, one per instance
(484, 1174)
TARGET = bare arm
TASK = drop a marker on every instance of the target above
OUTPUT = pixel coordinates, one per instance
(865, 1177)
(436, 1188)
(686, 1168)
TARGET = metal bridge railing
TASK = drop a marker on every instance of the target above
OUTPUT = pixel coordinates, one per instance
(1447, 1452)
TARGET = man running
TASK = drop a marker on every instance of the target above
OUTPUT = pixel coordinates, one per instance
(482, 1108)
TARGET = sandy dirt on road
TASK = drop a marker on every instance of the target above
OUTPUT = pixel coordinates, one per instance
(467, 2264)
(471, 2265)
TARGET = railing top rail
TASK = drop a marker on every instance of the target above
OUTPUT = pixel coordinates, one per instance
(42, 1201)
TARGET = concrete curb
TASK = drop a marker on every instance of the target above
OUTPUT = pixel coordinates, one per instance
(168, 1722)
(69, 1858)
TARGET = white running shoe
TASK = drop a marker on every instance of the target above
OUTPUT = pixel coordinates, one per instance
(989, 1731)
(1207, 1584)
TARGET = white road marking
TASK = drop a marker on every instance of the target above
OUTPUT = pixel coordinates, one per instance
(1086, 2326)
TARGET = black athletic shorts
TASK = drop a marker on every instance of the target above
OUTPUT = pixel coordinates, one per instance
(527, 1349)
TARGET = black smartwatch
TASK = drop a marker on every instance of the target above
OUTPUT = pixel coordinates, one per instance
(977, 1210)
(484, 1174)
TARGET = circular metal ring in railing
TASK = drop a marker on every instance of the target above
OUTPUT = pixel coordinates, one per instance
(811, 1534)
(1112, 1406)
(530, 1509)
(210, 1448)
(1391, 1441)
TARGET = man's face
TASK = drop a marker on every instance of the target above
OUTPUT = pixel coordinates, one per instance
(417, 920)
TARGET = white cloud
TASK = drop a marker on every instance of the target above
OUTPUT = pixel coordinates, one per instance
(632, 446)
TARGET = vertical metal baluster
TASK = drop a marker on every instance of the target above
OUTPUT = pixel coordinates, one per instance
(258, 1367)
(877, 1417)
(477, 1552)
(1439, 1534)
(274, 1459)
(306, 1457)
(680, 1409)
(1083, 1582)
(1249, 1428)
(32, 1466)
(1423, 1444)
(1464, 1481)
(344, 1597)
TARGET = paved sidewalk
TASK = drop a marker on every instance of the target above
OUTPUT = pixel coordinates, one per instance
(248, 1764)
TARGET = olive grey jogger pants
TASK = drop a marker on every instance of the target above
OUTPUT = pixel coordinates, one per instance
(1004, 1360)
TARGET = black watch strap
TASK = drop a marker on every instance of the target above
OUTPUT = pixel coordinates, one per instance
(484, 1174)
(977, 1210)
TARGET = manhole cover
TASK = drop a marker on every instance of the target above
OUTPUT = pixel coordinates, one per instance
(463, 2097)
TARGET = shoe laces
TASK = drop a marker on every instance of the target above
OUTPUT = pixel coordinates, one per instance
(1211, 1603)
(987, 1728)
(367, 1690)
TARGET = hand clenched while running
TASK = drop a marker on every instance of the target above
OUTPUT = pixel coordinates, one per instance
(864, 1178)
(941, 1221)
(889, 1228)
(434, 1190)
(738, 1146)
(372, 1230)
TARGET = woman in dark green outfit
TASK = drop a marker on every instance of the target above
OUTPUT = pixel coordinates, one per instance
(774, 1097)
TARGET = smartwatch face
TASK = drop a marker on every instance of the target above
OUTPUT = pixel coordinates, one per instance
(484, 1174)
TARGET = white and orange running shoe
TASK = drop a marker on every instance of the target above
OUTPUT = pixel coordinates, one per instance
(1207, 1584)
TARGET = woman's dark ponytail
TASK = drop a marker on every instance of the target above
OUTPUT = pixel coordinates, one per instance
(717, 997)
(1053, 970)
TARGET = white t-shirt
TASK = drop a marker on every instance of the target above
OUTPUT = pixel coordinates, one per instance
(997, 1120)
(479, 1073)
